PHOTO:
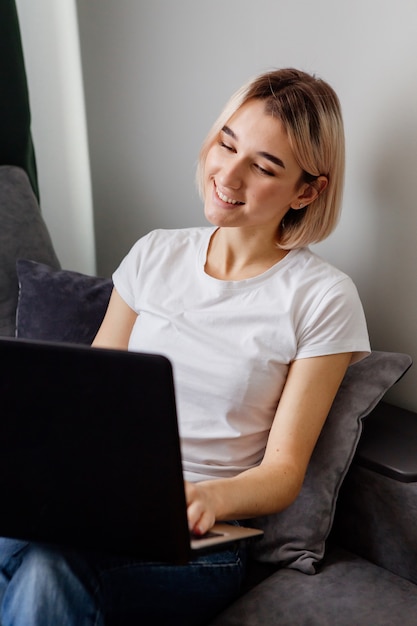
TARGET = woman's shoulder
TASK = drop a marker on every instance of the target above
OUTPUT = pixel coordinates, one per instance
(164, 236)
(315, 267)
(316, 280)
(162, 248)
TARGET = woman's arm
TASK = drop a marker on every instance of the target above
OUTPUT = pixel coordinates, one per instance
(272, 486)
(117, 324)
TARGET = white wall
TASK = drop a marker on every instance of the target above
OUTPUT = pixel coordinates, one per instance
(50, 42)
(156, 74)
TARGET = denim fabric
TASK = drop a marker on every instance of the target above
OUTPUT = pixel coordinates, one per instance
(43, 586)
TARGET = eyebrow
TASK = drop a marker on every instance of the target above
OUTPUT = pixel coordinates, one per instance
(228, 131)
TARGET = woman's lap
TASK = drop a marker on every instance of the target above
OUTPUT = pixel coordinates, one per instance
(122, 588)
(191, 592)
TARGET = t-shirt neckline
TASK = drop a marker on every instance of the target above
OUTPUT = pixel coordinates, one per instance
(244, 282)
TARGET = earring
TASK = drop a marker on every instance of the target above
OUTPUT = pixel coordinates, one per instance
(301, 205)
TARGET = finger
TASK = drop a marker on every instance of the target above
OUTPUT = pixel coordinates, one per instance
(204, 524)
(200, 520)
(195, 512)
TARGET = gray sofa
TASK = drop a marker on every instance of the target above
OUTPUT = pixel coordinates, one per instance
(345, 552)
(368, 575)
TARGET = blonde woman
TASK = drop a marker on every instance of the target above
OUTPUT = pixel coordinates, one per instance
(260, 331)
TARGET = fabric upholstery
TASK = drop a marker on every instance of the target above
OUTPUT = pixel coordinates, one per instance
(23, 233)
(377, 519)
(296, 537)
(348, 591)
(59, 305)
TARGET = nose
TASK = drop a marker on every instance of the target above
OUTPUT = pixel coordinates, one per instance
(231, 174)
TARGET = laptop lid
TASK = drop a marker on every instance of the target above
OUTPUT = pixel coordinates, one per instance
(90, 453)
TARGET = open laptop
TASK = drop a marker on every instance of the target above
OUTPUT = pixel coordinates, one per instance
(90, 453)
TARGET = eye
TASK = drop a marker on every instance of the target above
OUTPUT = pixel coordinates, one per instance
(226, 146)
(263, 171)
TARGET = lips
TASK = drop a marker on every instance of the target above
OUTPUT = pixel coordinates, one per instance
(225, 198)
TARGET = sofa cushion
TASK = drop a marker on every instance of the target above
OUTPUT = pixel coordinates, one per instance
(59, 305)
(348, 591)
(23, 234)
(296, 537)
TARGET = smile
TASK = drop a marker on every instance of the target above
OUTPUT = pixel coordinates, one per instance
(225, 198)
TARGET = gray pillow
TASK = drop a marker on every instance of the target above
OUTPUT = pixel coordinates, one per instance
(296, 537)
(23, 233)
(59, 305)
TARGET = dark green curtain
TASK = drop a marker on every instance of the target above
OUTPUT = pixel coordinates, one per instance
(16, 146)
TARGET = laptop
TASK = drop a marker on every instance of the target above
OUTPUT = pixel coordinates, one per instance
(90, 453)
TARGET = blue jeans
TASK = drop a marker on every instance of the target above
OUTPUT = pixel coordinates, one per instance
(45, 586)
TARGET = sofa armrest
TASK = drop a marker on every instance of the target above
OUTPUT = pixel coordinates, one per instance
(377, 508)
(389, 443)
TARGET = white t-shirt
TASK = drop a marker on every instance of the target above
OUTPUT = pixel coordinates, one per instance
(231, 342)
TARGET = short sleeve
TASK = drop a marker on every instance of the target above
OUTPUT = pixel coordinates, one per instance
(335, 323)
(125, 278)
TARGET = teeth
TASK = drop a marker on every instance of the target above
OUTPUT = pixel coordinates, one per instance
(226, 199)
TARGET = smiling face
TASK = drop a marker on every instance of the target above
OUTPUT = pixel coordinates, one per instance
(251, 177)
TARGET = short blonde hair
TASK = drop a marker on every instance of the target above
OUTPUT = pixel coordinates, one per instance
(310, 111)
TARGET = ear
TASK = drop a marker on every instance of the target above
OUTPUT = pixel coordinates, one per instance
(310, 191)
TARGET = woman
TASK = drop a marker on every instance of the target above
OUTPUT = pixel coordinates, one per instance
(260, 332)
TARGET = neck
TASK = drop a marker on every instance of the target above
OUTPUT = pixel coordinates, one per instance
(236, 254)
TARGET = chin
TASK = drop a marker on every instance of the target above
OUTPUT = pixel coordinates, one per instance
(210, 214)
(211, 220)
(213, 217)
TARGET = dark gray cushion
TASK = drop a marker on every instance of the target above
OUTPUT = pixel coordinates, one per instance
(348, 591)
(296, 537)
(23, 233)
(59, 305)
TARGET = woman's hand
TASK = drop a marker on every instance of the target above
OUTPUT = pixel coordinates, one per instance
(200, 508)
